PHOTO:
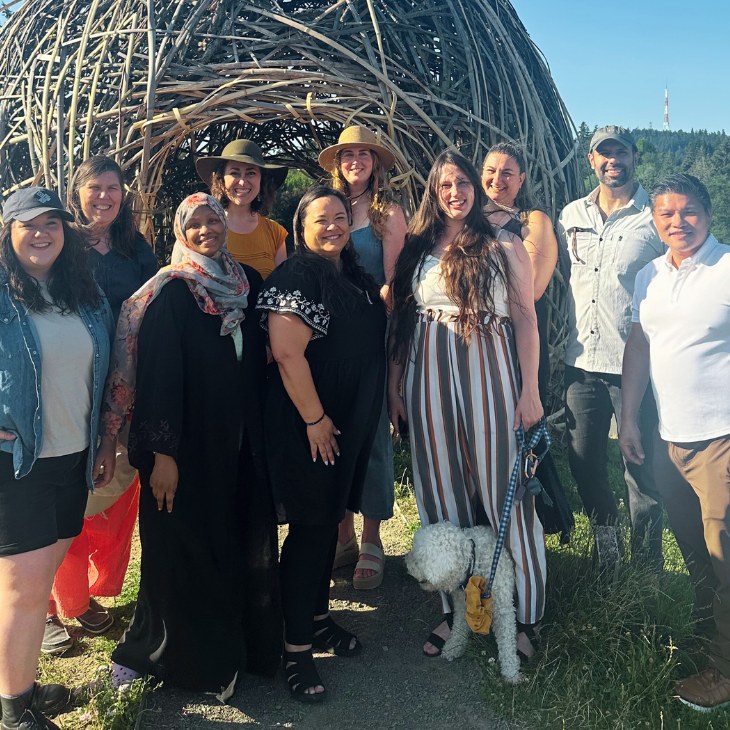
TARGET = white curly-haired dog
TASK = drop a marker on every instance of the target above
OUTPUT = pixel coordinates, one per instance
(440, 561)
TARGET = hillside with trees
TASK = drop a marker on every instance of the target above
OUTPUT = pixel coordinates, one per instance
(698, 152)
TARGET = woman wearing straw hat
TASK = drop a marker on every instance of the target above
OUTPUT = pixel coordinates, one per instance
(359, 167)
(245, 185)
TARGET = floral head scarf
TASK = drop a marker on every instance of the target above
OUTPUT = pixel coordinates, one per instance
(218, 284)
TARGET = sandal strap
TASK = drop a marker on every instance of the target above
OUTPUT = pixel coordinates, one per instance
(367, 548)
(369, 565)
(301, 674)
(328, 633)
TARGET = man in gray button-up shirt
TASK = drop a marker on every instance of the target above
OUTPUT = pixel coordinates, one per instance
(609, 236)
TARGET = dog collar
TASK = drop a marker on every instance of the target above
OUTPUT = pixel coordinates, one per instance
(470, 567)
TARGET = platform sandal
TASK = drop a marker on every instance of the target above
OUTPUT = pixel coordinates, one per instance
(435, 640)
(301, 674)
(328, 636)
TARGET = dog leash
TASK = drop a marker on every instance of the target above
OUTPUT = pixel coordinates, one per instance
(539, 432)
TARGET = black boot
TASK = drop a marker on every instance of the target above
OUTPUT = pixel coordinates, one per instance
(50, 699)
(20, 713)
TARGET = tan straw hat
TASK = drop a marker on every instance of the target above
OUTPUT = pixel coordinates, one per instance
(240, 150)
(355, 137)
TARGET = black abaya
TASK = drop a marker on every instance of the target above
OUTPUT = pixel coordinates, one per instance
(208, 602)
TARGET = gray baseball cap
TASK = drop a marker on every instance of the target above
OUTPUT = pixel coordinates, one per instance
(620, 134)
(27, 203)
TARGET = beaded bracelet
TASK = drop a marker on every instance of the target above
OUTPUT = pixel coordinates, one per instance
(319, 420)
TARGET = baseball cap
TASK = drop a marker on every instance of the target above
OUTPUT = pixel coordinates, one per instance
(27, 203)
(619, 134)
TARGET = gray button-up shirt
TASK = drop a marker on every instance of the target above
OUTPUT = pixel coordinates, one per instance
(605, 258)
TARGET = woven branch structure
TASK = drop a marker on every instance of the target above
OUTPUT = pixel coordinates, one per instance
(156, 83)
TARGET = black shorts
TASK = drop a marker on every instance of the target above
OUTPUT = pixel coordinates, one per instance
(44, 506)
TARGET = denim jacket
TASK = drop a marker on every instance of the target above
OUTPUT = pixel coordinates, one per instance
(21, 410)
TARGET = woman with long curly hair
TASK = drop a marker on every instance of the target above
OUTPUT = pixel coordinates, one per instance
(121, 260)
(55, 335)
(463, 373)
(359, 168)
(326, 325)
(245, 184)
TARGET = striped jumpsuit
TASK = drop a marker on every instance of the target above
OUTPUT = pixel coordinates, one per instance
(460, 398)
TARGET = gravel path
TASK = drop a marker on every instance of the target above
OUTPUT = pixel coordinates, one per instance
(390, 685)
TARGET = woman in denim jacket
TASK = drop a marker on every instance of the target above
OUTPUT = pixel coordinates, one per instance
(55, 334)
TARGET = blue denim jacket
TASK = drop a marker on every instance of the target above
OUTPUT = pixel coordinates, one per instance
(21, 410)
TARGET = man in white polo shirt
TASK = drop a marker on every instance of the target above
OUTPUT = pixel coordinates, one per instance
(608, 236)
(681, 337)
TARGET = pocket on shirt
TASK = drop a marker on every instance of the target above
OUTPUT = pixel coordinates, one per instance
(632, 253)
(11, 340)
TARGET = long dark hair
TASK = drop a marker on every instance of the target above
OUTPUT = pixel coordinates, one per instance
(123, 231)
(70, 283)
(472, 264)
(524, 201)
(262, 204)
(338, 287)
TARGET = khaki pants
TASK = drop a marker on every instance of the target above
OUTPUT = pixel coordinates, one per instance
(694, 481)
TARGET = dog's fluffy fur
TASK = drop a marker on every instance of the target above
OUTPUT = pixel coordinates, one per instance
(439, 560)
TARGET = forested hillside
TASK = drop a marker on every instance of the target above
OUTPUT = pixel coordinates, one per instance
(703, 154)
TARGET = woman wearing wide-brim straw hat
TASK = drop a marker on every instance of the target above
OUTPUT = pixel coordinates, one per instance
(359, 167)
(245, 184)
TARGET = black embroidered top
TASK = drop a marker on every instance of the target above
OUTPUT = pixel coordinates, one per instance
(346, 356)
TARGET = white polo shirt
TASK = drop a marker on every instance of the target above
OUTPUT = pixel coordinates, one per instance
(685, 315)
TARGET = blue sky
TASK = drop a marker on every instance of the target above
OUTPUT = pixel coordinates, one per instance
(610, 59)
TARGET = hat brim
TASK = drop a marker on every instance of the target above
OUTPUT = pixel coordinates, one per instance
(614, 138)
(327, 156)
(28, 215)
(206, 166)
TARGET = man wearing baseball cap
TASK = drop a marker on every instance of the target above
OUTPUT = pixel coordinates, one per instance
(609, 237)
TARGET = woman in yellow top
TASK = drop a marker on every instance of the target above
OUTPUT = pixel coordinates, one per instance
(246, 185)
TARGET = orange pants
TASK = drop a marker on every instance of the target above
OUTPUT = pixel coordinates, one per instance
(97, 560)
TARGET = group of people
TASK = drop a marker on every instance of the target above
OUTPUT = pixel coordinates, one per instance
(247, 388)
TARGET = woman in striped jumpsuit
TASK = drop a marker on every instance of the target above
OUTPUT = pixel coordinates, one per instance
(463, 373)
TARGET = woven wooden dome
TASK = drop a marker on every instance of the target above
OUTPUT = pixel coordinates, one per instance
(156, 82)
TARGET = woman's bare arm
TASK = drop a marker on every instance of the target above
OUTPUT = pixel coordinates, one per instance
(542, 247)
(289, 337)
(394, 237)
(522, 312)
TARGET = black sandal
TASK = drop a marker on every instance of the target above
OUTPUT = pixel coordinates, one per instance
(301, 674)
(532, 632)
(329, 636)
(436, 640)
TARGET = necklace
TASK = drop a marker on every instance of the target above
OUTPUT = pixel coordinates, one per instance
(353, 200)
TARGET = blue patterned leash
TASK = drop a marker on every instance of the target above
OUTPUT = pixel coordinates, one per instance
(539, 432)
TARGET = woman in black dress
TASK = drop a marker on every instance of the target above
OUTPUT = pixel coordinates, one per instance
(511, 209)
(326, 325)
(206, 519)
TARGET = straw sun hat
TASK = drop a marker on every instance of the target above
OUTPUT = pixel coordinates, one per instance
(240, 150)
(355, 137)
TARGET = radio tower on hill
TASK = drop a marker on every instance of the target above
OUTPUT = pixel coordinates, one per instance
(666, 109)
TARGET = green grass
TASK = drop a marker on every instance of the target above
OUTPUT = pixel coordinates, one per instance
(609, 651)
(99, 707)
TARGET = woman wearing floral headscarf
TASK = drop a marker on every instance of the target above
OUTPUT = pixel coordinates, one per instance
(190, 355)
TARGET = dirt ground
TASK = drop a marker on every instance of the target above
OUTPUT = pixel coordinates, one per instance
(390, 685)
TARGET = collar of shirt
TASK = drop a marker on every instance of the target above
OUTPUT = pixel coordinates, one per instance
(640, 199)
(698, 257)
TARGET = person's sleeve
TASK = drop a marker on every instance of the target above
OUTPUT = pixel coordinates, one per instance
(289, 292)
(147, 259)
(280, 233)
(158, 406)
(640, 286)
